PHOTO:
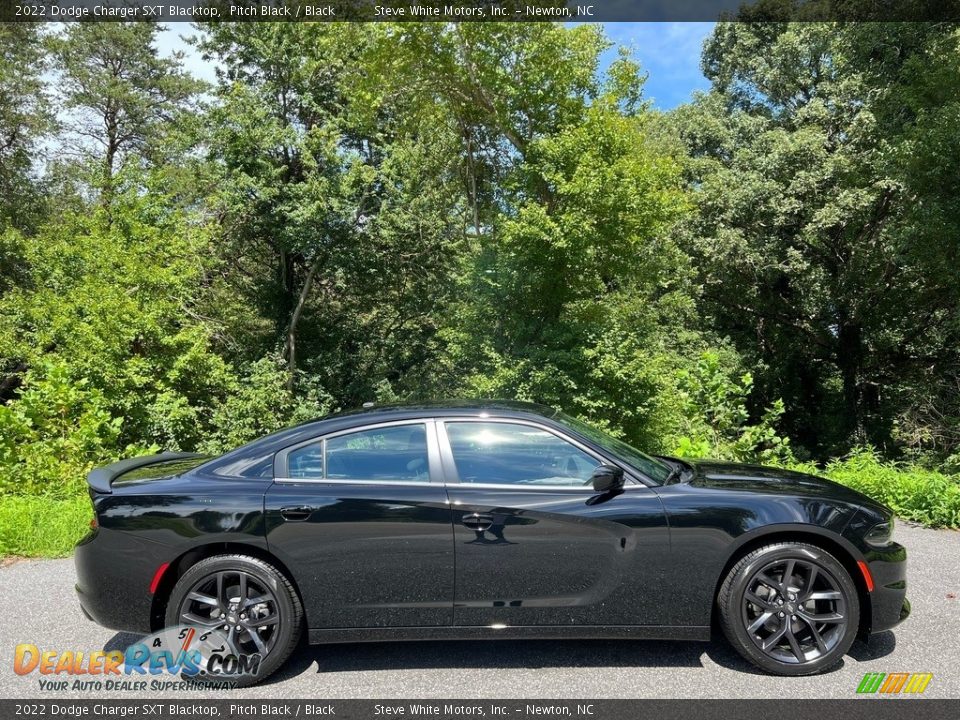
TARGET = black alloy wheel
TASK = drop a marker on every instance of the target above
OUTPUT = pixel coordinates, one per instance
(790, 608)
(237, 604)
(794, 610)
(247, 601)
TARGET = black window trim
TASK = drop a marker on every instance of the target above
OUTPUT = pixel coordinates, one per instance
(281, 469)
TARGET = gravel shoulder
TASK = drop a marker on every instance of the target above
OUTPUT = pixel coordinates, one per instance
(37, 605)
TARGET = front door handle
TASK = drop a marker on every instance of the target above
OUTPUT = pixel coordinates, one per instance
(478, 521)
(296, 513)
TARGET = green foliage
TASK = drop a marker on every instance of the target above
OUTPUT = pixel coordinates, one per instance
(124, 100)
(258, 403)
(56, 431)
(714, 406)
(111, 306)
(395, 212)
(25, 118)
(820, 249)
(912, 492)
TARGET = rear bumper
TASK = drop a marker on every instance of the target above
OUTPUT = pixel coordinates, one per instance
(113, 580)
(888, 601)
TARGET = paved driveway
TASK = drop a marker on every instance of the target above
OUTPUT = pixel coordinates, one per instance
(37, 605)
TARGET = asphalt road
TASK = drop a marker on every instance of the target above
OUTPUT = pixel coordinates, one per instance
(37, 605)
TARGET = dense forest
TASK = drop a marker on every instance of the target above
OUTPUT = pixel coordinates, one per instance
(377, 212)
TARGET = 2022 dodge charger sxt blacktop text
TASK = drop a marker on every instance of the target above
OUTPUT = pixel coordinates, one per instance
(485, 520)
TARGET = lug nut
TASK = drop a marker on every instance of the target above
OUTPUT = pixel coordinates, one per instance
(792, 596)
(781, 614)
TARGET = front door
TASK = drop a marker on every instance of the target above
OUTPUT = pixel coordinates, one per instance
(535, 545)
(362, 519)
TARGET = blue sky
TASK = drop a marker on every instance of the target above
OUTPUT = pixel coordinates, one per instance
(669, 52)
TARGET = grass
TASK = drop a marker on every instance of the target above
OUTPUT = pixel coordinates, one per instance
(41, 526)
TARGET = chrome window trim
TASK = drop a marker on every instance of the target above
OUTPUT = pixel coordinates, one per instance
(534, 488)
(281, 474)
(320, 481)
(452, 478)
(480, 486)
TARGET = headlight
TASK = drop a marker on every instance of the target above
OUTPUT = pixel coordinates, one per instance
(880, 535)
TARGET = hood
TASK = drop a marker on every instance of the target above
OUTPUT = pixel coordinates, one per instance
(759, 478)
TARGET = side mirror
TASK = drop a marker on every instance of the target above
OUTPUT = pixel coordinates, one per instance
(606, 478)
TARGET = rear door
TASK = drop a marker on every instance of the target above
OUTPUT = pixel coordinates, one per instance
(362, 519)
(534, 544)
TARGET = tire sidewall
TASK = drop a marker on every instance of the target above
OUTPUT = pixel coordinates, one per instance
(288, 626)
(742, 639)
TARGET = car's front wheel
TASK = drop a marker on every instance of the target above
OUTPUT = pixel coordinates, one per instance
(789, 608)
(245, 601)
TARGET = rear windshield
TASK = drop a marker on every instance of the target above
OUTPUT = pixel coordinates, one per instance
(167, 468)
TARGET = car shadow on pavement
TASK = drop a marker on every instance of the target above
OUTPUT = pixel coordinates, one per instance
(121, 641)
(506, 654)
(878, 646)
(500, 654)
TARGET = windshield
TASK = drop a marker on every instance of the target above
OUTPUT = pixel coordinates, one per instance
(649, 466)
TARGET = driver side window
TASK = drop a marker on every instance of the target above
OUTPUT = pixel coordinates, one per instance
(505, 453)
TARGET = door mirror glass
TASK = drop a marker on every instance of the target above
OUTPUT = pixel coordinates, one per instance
(606, 478)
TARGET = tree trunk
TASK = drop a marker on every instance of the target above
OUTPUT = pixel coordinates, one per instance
(106, 182)
(291, 343)
(850, 361)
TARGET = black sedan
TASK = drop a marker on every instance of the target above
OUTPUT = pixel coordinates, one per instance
(480, 521)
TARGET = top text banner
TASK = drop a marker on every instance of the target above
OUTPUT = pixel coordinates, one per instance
(477, 10)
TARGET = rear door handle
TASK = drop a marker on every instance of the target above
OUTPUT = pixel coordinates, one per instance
(477, 521)
(296, 513)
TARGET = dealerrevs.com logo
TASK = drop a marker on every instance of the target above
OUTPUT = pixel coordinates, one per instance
(894, 683)
(195, 657)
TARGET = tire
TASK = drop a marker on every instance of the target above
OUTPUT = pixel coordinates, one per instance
(799, 627)
(219, 578)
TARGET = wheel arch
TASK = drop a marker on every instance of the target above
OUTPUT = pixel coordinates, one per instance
(191, 557)
(833, 543)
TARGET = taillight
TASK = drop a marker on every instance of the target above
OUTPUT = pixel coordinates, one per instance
(94, 523)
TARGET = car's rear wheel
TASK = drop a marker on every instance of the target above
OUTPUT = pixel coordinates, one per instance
(789, 608)
(245, 600)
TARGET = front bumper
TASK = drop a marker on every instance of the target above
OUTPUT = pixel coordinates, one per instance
(888, 601)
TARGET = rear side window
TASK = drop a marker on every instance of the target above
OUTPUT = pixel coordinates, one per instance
(394, 453)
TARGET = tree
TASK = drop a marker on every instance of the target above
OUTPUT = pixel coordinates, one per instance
(349, 211)
(570, 270)
(807, 237)
(25, 117)
(122, 98)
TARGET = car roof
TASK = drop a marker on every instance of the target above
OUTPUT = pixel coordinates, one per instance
(443, 407)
